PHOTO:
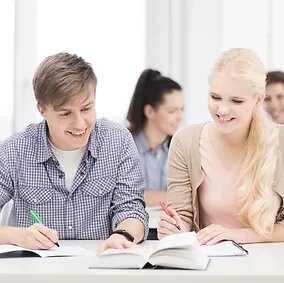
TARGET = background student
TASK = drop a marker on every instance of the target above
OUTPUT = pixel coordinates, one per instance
(81, 175)
(274, 96)
(226, 179)
(154, 114)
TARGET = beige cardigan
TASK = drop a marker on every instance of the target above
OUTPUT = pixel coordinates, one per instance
(184, 175)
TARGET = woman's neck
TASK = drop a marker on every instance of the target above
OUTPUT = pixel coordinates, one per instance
(153, 136)
(233, 139)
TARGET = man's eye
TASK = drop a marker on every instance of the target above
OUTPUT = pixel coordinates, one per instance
(64, 113)
(86, 109)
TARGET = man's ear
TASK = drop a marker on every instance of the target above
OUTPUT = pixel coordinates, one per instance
(41, 110)
(149, 111)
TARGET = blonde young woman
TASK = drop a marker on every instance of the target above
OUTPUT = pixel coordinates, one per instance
(226, 177)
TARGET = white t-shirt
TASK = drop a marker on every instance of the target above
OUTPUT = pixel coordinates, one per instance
(69, 161)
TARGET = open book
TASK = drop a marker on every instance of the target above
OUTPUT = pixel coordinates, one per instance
(175, 251)
(63, 251)
(180, 250)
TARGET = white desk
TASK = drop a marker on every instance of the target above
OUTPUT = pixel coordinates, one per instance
(265, 263)
(154, 216)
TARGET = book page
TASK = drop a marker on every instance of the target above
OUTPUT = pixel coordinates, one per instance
(224, 248)
(124, 258)
(64, 251)
(179, 240)
(185, 258)
(53, 252)
(142, 250)
(9, 248)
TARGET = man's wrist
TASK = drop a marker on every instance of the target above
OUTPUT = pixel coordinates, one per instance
(124, 233)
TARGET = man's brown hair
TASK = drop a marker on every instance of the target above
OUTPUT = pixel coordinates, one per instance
(274, 77)
(61, 77)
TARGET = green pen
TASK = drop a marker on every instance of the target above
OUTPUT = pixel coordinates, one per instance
(37, 219)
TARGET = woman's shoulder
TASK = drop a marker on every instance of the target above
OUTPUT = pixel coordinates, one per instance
(189, 132)
(187, 138)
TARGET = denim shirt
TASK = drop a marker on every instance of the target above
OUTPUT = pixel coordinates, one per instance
(108, 187)
(154, 163)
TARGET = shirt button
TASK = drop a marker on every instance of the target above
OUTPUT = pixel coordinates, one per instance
(70, 227)
(274, 184)
(35, 200)
(82, 173)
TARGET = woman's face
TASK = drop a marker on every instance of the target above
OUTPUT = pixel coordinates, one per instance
(231, 103)
(167, 116)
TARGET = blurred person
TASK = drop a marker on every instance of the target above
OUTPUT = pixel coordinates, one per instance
(274, 96)
(154, 114)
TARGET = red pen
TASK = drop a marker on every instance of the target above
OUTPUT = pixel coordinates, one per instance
(166, 210)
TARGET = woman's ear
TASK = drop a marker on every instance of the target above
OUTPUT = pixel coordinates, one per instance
(260, 98)
(259, 102)
(149, 111)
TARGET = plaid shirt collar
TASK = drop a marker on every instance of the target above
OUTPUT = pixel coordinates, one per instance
(143, 146)
(43, 149)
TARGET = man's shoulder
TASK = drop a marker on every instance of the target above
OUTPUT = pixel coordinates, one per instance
(24, 138)
(281, 136)
(281, 128)
(105, 126)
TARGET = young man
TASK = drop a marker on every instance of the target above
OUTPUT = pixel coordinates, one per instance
(82, 176)
(274, 96)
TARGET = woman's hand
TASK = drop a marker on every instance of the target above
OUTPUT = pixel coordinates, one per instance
(169, 225)
(116, 241)
(215, 233)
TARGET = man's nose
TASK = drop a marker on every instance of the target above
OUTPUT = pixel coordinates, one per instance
(78, 121)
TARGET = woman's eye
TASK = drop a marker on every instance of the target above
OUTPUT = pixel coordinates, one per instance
(215, 97)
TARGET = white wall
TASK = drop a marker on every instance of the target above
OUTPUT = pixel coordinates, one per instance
(182, 39)
(189, 39)
(25, 63)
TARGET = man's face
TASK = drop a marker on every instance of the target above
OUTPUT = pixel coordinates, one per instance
(274, 102)
(70, 126)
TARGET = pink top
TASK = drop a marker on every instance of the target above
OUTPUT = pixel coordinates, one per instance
(217, 192)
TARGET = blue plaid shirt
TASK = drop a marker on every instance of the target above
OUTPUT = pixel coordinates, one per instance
(154, 163)
(108, 187)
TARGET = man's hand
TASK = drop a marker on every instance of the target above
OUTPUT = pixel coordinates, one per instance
(36, 237)
(116, 241)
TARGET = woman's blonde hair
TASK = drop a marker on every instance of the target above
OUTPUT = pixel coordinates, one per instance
(257, 169)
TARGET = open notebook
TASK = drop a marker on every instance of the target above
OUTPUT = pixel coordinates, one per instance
(62, 251)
